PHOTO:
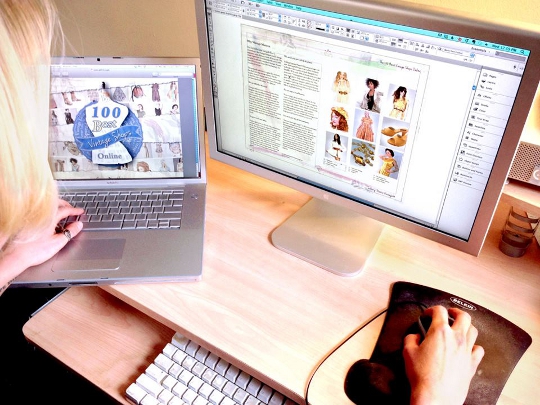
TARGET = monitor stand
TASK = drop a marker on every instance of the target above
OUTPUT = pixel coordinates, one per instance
(332, 237)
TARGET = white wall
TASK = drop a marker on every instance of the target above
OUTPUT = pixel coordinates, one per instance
(129, 27)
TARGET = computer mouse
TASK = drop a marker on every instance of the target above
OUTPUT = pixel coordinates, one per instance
(424, 322)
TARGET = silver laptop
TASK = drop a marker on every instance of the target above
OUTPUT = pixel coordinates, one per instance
(127, 144)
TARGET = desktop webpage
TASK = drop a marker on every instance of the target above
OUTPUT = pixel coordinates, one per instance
(408, 132)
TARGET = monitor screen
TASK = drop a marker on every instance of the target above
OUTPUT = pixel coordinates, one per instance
(407, 116)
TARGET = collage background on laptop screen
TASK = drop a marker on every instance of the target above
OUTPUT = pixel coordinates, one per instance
(93, 136)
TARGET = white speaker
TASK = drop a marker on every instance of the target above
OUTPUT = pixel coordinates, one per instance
(526, 164)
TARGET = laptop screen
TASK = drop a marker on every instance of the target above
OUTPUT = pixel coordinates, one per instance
(113, 119)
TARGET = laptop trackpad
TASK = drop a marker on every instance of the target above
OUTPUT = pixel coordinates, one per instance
(90, 254)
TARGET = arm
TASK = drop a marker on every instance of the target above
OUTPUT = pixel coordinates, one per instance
(20, 254)
(440, 368)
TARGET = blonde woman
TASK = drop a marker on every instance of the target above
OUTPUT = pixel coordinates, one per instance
(29, 204)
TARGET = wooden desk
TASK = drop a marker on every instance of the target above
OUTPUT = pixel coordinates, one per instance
(273, 314)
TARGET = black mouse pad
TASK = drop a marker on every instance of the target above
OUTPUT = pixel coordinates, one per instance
(382, 379)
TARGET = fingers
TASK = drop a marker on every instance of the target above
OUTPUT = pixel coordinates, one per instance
(74, 228)
(65, 210)
(411, 341)
(462, 320)
(472, 334)
(63, 203)
(462, 326)
(411, 345)
(439, 316)
(477, 356)
(68, 233)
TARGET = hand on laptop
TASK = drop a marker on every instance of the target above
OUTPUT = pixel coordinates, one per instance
(440, 368)
(32, 250)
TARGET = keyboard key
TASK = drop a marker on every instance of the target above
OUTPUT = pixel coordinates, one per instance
(152, 224)
(219, 382)
(240, 396)
(163, 362)
(189, 397)
(211, 360)
(169, 350)
(227, 401)
(167, 216)
(205, 391)
(221, 367)
(229, 389)
(179, 389)
(135, 393)
(155, 373)
(254, 386)
(176, 401)
(198, 369)
(179, 356)
(216, 397)
(129, 225)
(265, 393)
(243, 380)
(141, 224)
(185, 377)
(180, 341)
(277, 399)
(169, 382)
(208, 375)
(189, 362)
(103, 226)
(202, 354)
(165, 396)
(172, 210)
(175, 370)
(195, 383)
(149, 385)
(148, 400)
(253, 401)
(192, 348)
(231, 373)
(200, 401)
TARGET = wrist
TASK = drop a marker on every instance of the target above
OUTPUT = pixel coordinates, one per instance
(421, 399)
(10, 267)
(423, 396)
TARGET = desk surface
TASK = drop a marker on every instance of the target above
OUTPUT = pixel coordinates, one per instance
(275, 315)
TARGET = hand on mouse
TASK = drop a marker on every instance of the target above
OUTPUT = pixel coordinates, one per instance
(441, 367)
(30, 250)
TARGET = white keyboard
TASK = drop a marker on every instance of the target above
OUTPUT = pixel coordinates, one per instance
(187, 374)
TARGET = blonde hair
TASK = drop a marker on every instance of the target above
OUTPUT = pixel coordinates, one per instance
(28, 195)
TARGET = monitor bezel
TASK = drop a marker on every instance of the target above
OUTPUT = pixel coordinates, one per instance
(420, 16)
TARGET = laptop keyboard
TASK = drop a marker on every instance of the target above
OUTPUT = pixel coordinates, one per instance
(113, 210)
(186, 373)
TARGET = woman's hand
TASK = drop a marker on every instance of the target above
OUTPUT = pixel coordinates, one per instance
(440, 368)
(31, 250)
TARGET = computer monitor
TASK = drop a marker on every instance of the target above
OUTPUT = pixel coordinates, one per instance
(384, 113)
